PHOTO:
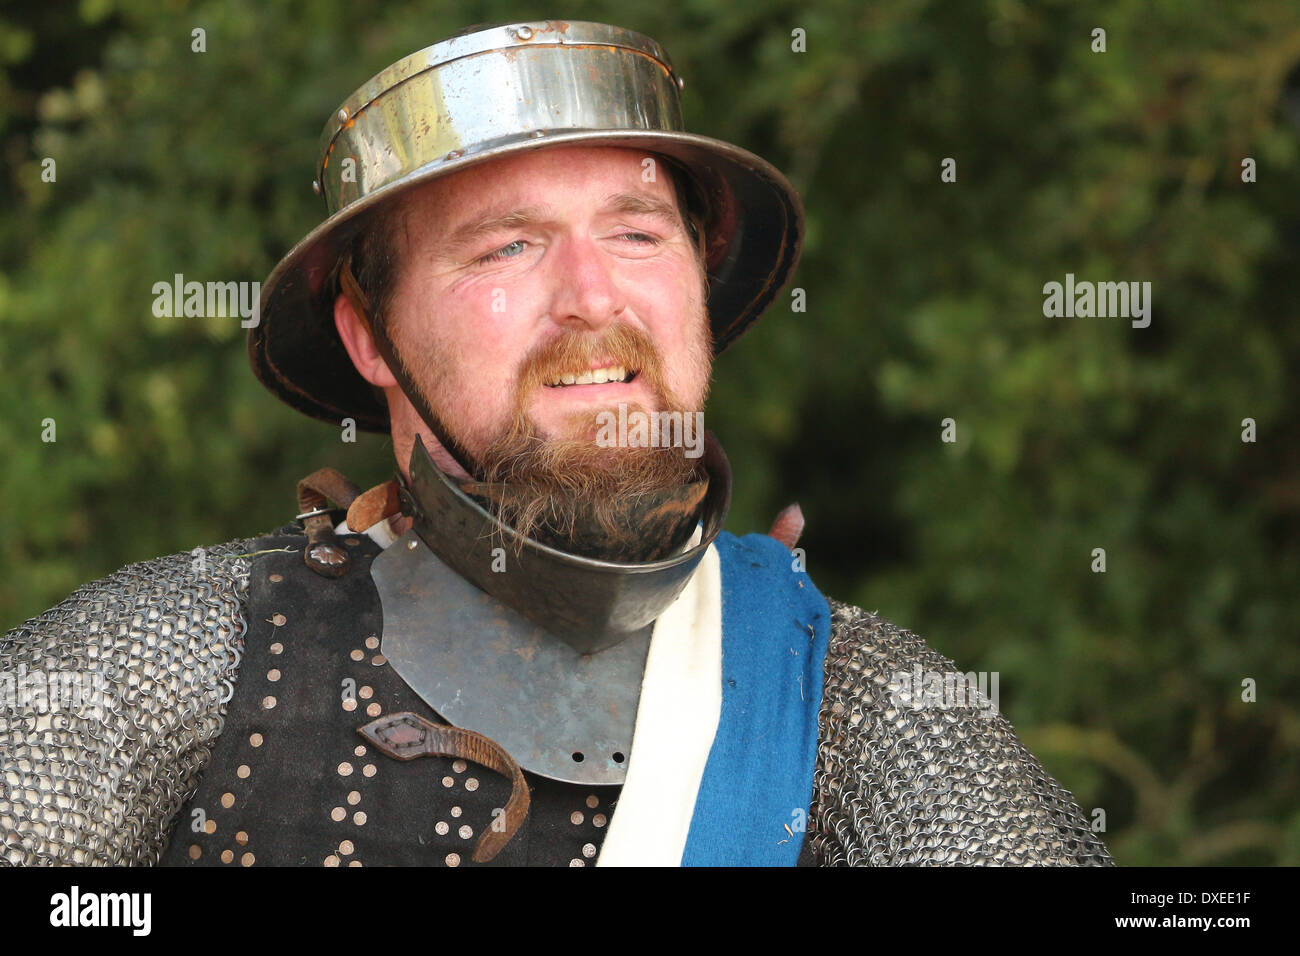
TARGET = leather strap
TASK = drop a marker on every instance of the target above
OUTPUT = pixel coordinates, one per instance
(373, 506)
(405, 736)
(323, 554)
(787, 527)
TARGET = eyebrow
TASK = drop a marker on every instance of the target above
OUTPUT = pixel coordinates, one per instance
(492, 222)
(644, 205)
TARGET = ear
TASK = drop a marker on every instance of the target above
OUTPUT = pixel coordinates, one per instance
(361, 347)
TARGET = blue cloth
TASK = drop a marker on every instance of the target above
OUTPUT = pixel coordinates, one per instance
(759, 776)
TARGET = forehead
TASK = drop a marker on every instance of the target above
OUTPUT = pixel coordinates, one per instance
(548, 175)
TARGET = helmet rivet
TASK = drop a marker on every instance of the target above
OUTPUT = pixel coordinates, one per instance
(315, 186)
(343, 115)
(537, 133)
(524, 33)
(411, 545)
(455, 154)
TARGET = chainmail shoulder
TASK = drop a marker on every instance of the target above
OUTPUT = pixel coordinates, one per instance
(909, 777)
(109, 704)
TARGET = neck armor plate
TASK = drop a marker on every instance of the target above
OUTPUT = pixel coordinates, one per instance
(540, 649)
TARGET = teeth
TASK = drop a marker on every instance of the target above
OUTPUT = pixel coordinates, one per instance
(613, 373)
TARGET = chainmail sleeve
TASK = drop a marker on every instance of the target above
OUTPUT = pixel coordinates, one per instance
(905, 779)
(109, 703)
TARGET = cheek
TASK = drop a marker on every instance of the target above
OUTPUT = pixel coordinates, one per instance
(696, 367)
(480, 350)
(489, 320)
(684, 345)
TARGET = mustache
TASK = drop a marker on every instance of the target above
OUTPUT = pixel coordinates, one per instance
(572, 351)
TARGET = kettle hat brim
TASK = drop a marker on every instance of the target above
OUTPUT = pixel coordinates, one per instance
(456, 92)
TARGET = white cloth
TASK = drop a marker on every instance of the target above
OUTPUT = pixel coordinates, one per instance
(380, 533)
(681, 700)
(676, 719)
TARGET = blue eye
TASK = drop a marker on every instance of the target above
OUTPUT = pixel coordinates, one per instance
(501, 253)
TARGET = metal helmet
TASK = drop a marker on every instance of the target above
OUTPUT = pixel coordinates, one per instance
(492, 92)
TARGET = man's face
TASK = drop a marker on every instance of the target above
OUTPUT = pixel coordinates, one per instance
(533, 270)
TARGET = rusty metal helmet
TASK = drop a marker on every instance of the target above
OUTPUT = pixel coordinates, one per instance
(494, 91)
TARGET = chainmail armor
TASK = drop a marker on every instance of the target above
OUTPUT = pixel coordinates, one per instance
(99, 783)
(898, 784)
(893, 785)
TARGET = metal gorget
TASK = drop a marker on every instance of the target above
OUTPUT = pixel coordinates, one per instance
(541, 650)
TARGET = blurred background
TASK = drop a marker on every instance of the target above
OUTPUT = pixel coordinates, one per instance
(924, 302)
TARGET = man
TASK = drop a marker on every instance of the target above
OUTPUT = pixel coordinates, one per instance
(543, 649)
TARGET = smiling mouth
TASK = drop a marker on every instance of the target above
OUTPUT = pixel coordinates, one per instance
(597, 376)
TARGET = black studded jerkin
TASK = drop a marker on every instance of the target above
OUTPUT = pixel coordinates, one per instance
(194, 647)
(244, 693)
(291, 783)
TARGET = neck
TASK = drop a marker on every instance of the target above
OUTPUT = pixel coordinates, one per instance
(406, 428)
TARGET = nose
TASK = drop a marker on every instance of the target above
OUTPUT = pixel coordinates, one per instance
(586, 293)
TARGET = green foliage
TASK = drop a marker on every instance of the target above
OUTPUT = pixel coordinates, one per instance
(924, 303)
